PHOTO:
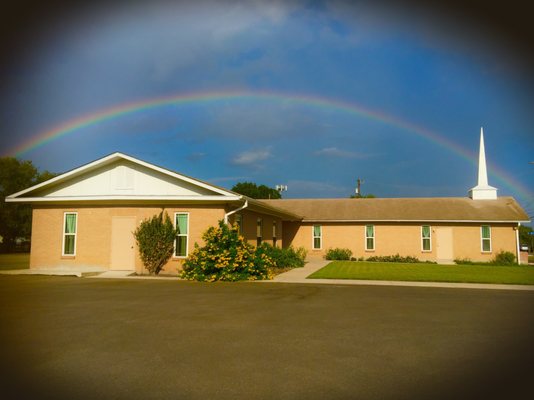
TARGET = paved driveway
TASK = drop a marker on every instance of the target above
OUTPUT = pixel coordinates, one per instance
(64, 337)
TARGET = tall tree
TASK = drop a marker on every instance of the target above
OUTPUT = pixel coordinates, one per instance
(15, 219)
(250, 189)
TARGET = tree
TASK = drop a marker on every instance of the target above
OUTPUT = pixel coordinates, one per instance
(15, 219)
(250, 189)
(155, 239)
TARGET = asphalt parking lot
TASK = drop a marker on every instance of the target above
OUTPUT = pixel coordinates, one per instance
(64, 337)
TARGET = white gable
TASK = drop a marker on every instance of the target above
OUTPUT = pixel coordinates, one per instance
(122, 177)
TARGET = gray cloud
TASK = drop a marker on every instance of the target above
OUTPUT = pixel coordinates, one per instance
(251, 157)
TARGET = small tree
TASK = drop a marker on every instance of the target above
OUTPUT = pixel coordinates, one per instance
(155, 239)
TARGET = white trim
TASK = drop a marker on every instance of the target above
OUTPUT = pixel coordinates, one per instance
(114, 157)
(122, 197)
(320, 237)
(482, 240)
(370, 237)
(429, 238)
(174, 256)
(63, 233)
(416, 221)
(518, 251)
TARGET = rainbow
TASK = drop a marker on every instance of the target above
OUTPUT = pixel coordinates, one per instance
(122, 110)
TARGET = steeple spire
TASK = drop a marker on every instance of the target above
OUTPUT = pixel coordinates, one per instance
(482, 191)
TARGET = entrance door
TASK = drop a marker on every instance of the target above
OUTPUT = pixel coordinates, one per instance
(444, 250)
(122, 243)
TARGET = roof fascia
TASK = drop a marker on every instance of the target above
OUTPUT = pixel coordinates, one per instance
(117, 156)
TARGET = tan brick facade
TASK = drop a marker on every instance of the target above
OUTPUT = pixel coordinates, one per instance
(404, 239)
(93, 239)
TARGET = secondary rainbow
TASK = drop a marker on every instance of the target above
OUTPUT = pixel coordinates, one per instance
(121, 110)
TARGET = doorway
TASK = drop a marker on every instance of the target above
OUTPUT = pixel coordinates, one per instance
(122, 243)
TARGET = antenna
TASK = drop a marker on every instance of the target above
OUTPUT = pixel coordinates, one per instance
(281, 188)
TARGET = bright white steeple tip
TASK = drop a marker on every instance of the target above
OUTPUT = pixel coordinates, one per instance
(482, 191)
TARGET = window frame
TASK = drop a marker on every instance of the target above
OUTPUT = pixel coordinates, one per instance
(370, 237)
(259, 231)
(238, 220)
(429, 238)
(174, 255)
(275, 232)
(64, 234)
(320, 237)
(482, 239)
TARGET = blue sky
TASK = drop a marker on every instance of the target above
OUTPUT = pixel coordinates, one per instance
(444, 76)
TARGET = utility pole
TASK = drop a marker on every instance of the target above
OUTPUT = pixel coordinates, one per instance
(358, 187)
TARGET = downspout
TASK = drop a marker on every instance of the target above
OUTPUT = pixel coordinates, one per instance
(234, 211)
(517, 243)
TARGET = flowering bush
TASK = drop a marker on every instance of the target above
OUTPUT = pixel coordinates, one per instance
(226, 256)
(284, 258)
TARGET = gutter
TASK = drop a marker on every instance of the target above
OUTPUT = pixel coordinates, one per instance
(245, 205)
(517, 244)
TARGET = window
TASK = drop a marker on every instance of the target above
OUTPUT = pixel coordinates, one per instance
(69, 233)
(369, 237)
(259, 231)
(181, 221)
(239, 222)
(485, 232)
(275, 226)
(426, 239)
(317, 237)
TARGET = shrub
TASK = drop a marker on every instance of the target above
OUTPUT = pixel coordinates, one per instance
(395, 258)
(504, 258)
(155, 239)
(285, 258)
(226, 256)
(338, 254)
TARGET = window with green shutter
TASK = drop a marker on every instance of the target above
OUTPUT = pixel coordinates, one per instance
(69, 233)
(317, 237)
(485, 231)
(182, 236)
(369, 237)
(426, 240)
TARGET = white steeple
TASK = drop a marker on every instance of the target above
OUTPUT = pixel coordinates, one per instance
(482, 191)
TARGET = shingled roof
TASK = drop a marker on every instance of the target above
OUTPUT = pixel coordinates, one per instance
(503, 209)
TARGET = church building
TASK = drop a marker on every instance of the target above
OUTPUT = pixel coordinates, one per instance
(86, 216)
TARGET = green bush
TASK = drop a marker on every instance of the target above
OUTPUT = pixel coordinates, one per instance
(226, 256)
(285, 258)
(395, 258)
(504, 258)
(155, 239)
(338, 254)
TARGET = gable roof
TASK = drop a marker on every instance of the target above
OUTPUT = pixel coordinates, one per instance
(450, 209)
(89, 183)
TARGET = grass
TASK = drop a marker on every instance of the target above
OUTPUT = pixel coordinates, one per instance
(14, 261)
(426, 272)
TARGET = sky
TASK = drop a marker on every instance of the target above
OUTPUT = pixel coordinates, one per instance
(312, 95)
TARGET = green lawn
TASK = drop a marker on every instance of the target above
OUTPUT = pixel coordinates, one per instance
(426, 272)
(14, 261)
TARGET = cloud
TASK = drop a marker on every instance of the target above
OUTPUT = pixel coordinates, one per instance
(335, 152)
(196, 156)
(251, 157)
